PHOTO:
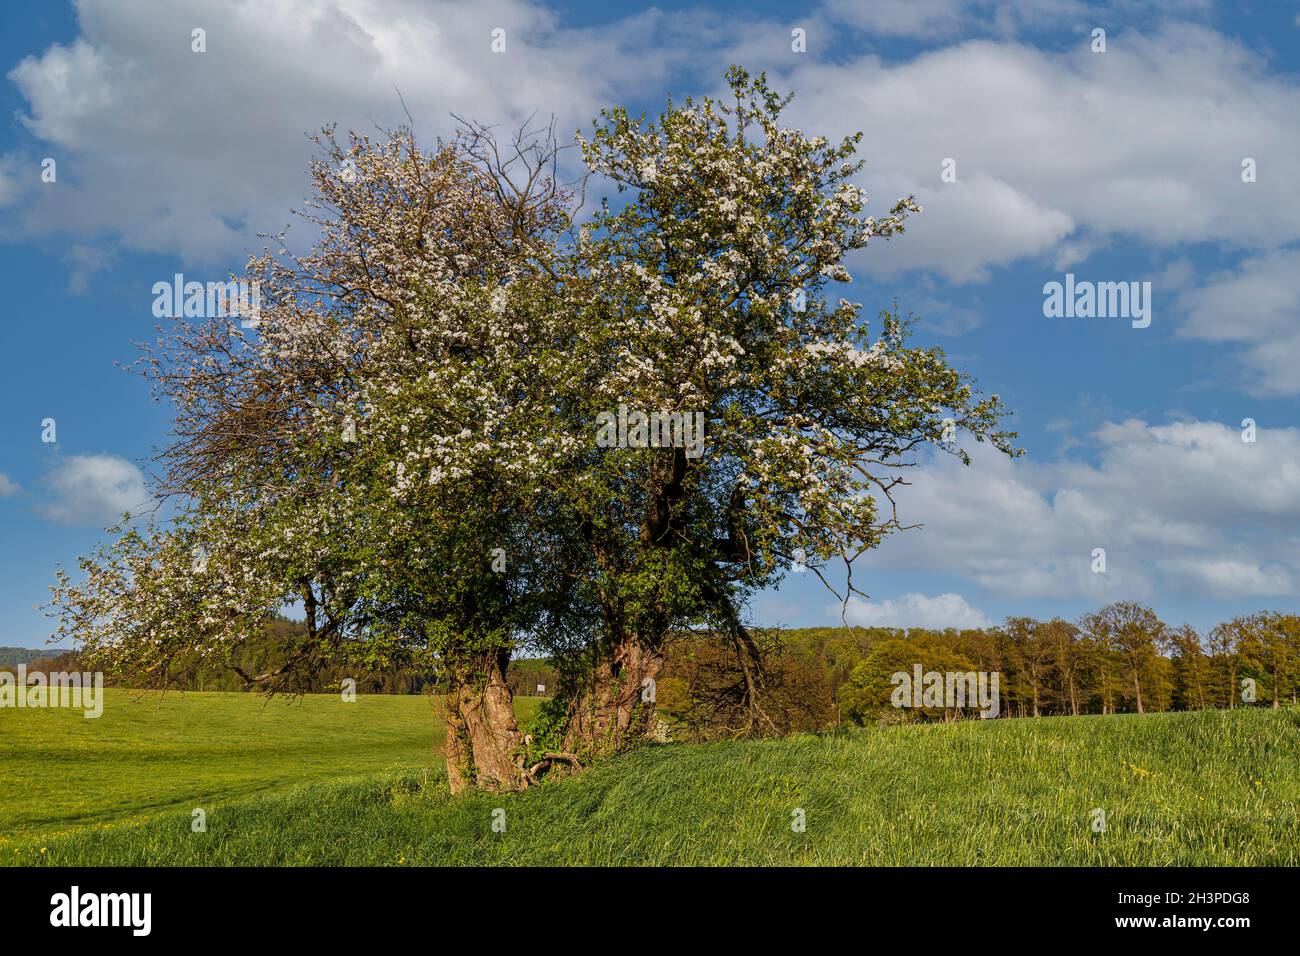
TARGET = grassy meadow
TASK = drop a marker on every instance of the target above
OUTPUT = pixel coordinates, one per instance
(151, 752)
(320, 782)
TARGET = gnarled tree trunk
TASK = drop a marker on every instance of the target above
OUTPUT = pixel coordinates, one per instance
(612, 702)
(482, 733)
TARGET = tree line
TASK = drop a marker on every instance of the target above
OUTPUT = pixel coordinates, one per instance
(1119, 659)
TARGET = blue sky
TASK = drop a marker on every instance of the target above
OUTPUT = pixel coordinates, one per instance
(1115, 166)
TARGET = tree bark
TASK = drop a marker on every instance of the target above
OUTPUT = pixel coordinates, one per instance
(483, 740)
(612, 704)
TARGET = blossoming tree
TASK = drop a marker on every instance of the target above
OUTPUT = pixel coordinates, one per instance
(407, 445)
(708, 291)
(375, 452)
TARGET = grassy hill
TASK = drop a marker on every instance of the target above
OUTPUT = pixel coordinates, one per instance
(1201, 788)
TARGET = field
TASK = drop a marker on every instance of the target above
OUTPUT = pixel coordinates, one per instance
(150, 753)
(320, 782)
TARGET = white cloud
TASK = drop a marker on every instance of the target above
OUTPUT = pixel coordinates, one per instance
(193, 153)
(1186, 507)
(190, 153)
(8, 487)
(1231, 579)
(967, 227)
(1144, 142)
(915, 610)
(92, 489)
(1256, 308)
(944, 18)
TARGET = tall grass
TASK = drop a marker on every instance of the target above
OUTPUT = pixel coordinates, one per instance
(1207, 788)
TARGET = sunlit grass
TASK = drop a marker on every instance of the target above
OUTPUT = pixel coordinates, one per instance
(150, 752)
(1210, 788)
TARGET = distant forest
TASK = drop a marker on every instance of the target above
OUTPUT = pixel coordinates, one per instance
(1122, 658)
(13, 656)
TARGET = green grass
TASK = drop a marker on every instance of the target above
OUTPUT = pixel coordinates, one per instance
(149, 753)
(1214, 788)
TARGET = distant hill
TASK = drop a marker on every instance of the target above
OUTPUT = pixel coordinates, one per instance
(13, 656)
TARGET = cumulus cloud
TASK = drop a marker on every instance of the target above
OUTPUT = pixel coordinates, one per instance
(193, 153)
(92, 490)
(1054, 146)
(967, 227)
(1256, 308)
(915, 610)
(1227, 578)
(1184, 508)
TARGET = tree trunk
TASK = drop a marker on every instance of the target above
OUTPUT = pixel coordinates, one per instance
(1137, 689)
(612, 704)
(482, 734)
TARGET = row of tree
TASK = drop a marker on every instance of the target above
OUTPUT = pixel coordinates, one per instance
(407, 445)
(279, 642)
(1122, 658)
